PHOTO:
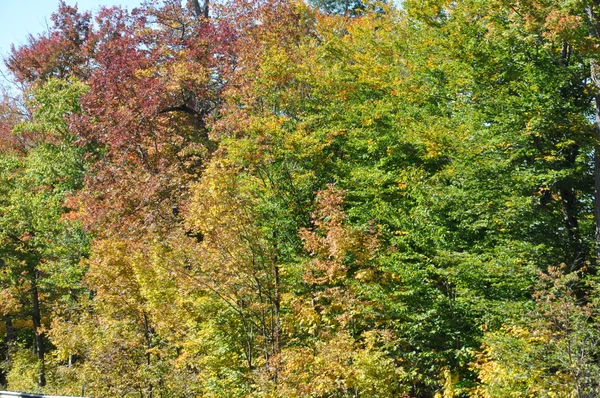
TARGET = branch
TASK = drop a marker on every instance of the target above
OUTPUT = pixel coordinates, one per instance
(180, 108)
(201, 11)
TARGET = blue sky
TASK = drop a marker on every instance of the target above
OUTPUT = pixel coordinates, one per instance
(18, 18)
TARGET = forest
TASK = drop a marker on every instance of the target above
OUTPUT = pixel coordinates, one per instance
(279, 198)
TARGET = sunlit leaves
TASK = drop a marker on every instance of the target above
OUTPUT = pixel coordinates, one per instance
(289, 200)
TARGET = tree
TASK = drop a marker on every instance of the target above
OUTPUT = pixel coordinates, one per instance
(40, 246)
(552, 349)
(63, 52)
(346, 7)
(287, 201)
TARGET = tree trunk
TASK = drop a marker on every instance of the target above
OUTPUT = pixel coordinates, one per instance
(10, 338)
(570, 211)
(277, 305)
(36, 318)
(10, 331)
(594, 77)
(205, 9)
(148, 340)
(277, 326)
(597, 185)
(276, 308)
(201, 11)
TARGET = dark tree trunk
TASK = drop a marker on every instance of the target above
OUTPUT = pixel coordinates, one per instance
(570, 211)
(594, 77)
(36, 317)
(205, 9)
(10, 331)
(277, 305)
(276, 308)
(594, 67)
(201, 11)
(148, 339)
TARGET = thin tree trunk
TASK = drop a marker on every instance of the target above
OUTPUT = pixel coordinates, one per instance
(276, 308)
(147, 337)
(36, 318)
(10, 338)
(570, 212)
(594, 72)
(597, 184)
(10, 331)
(277, 304)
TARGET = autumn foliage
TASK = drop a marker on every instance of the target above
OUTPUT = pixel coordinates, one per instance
(327, 199)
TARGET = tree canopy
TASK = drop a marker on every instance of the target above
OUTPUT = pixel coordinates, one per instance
(281, 198)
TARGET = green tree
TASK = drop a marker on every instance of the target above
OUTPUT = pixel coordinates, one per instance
(41, 246)
(551, 350)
